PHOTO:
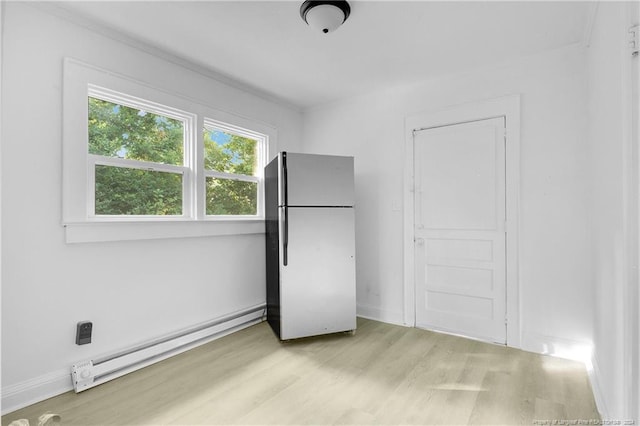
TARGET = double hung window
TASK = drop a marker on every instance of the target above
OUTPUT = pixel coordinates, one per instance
(135, 154)
(232, 170)
(137, 162)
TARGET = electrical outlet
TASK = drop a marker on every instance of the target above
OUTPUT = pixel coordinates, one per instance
(83, 332)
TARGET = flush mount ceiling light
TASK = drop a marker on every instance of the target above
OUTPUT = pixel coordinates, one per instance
(325, 15)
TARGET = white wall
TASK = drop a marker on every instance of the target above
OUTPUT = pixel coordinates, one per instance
(133, 290)
(612, 198)
(555, 283)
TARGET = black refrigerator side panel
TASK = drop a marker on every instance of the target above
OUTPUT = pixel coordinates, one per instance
(272, 244)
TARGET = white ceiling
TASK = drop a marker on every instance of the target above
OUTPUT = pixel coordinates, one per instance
(265, 45)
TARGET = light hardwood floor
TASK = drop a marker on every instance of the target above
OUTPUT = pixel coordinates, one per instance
(384, 374)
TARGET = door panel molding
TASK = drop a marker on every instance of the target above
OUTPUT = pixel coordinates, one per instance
(509, 108)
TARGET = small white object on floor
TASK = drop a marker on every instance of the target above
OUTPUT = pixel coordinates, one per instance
(47, 419)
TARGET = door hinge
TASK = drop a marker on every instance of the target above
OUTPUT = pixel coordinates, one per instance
(634, 40)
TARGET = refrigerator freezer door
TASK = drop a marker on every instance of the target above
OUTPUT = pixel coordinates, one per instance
(318, 285)
(319, 180)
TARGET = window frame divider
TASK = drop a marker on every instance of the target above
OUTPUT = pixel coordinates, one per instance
(231, 176)
(136, 164)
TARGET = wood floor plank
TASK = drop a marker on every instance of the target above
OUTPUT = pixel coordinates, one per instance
(384, 374)
(545, 409)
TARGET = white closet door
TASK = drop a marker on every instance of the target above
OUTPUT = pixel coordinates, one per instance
(460, 229)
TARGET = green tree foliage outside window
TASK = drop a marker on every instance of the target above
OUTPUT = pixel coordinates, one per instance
(118, 131)
(230, 153)
(124, 132)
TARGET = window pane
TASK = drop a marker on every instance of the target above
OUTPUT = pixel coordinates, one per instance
(123, 191)
(124, 132)
(229, 153)
(231, 197)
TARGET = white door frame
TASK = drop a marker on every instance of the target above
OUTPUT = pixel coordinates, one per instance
(508, 107)
(631, 176)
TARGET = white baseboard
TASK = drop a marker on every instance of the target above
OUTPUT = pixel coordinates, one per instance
(382, 315)
(38, 389)
(561, 347)
(595, 374)
(35, 390)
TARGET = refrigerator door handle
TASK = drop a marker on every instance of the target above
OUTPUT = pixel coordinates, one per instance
(285, 236)
(285, 226)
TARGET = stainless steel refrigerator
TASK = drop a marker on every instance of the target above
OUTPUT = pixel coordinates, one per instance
(310, 245)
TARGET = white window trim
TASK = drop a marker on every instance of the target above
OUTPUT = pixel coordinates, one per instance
(81, 225)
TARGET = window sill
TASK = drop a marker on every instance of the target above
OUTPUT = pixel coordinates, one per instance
(89, 232)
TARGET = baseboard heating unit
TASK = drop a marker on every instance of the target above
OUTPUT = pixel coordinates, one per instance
(90, 373)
